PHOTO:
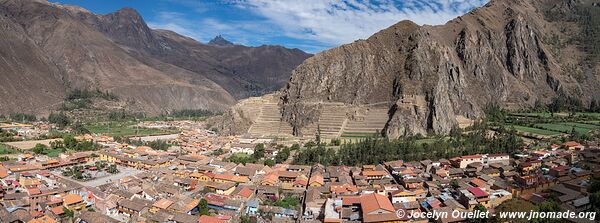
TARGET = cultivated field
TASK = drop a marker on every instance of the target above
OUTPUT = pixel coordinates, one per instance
(23, 145)
(536, 131)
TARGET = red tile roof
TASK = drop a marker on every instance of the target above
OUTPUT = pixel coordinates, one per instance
(209, 219)
(477, 192)
(372, 202)
(246, 192)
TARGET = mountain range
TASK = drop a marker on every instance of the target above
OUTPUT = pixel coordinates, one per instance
(48, 50)
(431, 79)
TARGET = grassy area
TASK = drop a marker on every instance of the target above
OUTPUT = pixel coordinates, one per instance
(240, 155)
(4, 149)
(53, 152)
(123, 129)
(583, 125)
(535, 130)
(561, 127)
(540, 114)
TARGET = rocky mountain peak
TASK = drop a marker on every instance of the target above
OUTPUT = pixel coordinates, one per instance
(220, 41)
(431, 79)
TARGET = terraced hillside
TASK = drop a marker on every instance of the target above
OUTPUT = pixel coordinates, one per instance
(331, 121)
(367, 124)
(268, 122)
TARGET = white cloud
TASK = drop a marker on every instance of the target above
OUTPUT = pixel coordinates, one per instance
(312, 25)
(336, 22)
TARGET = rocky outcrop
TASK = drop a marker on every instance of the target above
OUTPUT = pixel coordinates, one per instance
(434, 78)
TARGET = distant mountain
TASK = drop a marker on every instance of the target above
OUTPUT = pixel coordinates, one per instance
(433, 78)
(219, 41)
(47, 50)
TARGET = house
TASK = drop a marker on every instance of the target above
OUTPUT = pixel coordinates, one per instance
(377, 208)
(529, 166)
(300, 184)
(243, 193)
(94, 217)
(73, 202)
(313, 204)
(559, 171)
(463, 161)
(402, 196)
(130, 207)
(224, 178)
(246, 148)
(572, 145)
(43, 219)
(316, 180)
(252, 207)
(374, 174)
(161, 204)
(210, 219)
(271, 179)
(496, 158)
(204, 177)
(221, 188)
(473, 196)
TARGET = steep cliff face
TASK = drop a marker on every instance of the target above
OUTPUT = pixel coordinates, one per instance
(432, 77)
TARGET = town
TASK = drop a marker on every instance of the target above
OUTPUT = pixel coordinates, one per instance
(192, 174)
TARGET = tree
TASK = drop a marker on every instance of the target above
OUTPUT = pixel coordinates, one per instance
(203, 207)
(547, 206)
(295, 147)
(78, 128)
(481, 209)
(112, 169)
(270, 162)
(454, 184)
(39, 148)
(68, 213)
(318, 135)
(283, 155)
(247, 219)
(259, 151)
(513, 205)
(59, 119)
(158, 145)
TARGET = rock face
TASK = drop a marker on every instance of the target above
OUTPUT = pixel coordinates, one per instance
(49, 49)
(433, 78)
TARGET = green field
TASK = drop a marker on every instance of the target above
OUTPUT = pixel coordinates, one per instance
(240, 155)
(583, 125)
(123, 129)
(4, 149)
(534, 114)
(562, 127)
(52, 152)
(535, 130)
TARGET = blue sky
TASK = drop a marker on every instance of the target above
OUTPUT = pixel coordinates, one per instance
(310, 25)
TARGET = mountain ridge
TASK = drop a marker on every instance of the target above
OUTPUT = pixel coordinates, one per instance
(435, 78)
(118, 52)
